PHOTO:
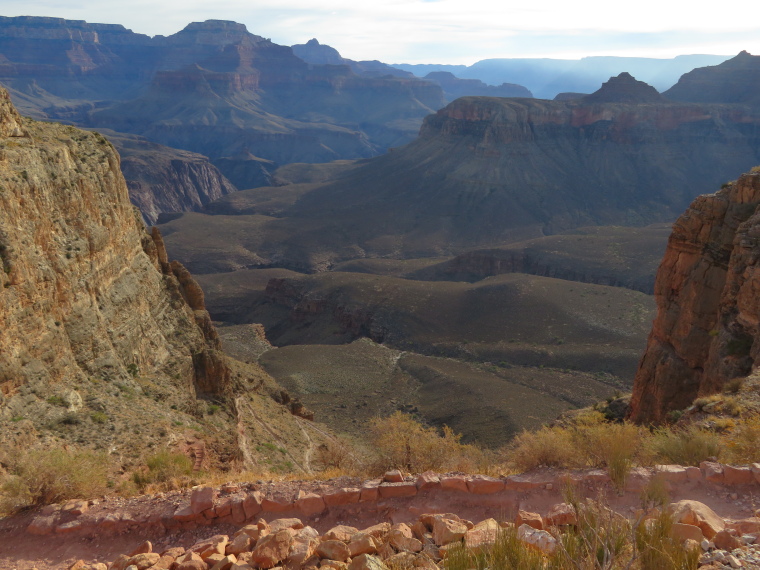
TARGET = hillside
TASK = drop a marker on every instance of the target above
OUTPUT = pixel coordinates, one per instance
(105, 344)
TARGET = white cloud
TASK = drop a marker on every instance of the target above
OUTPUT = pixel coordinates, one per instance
(453, 31)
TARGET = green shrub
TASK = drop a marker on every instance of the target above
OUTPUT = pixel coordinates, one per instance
(45, 476)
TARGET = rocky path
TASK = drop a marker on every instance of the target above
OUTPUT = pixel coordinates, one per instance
(100, 530)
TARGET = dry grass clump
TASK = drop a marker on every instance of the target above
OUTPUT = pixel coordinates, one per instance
(602, 540)
(45, 476)
(163, 471)
(742, 444)
(590, 441)
(402, 442)
(685, 446)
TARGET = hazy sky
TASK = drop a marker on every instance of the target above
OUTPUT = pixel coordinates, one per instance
(445, 31)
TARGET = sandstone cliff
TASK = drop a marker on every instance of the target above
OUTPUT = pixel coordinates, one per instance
(708, 317)
(86, 295)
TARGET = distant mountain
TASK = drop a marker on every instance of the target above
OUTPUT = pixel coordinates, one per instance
(734, 81)
(546, 78)
(320, 54)
(212, 88)
(453, 87)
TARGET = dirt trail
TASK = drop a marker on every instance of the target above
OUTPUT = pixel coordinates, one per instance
(150, 517)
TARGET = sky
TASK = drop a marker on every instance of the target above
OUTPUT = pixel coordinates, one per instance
(445, 31)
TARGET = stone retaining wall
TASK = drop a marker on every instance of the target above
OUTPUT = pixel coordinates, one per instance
(241, 503)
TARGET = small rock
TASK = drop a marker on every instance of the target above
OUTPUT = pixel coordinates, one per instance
(393, 476)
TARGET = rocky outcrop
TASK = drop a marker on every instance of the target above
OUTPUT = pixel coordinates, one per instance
(708, 320)
(86, 295)
(162, 179)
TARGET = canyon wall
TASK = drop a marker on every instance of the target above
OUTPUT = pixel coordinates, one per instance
(708, 315)
(86, 295)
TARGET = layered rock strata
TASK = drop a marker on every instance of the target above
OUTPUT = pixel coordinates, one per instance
(708, 319)
(85, 293)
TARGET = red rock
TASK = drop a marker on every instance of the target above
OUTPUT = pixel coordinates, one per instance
(698, 514)
(272, 549)
(531, 519)
(341, 497)
(303, 546)
(333, 550)
(238, 512)
(755, 468)
(278, 524)
(252, 505)
(482, 535)
(276, 505)
(41, 525)
(682, 532)
(712, 472)
(370, 492)
(483, 485)
(186, 514)
(341, 532)
(391, 490)
(144, 548)
(69, 527)
(225, 563)
(725, 540)
(309, 504)
(213, 545)
(693, 473)
(190, 561)
(428, 480)
(737, 475)
(367, 562)
(393, 476)
(561, 514)
(446, 530)
(522, 483)
(379, 530)
(538, 539)
(239, 544)
(454, 483)
(746, 526)
(223, 508)
(672, 473)
(201, 499)
(362, 543)
(144, 561)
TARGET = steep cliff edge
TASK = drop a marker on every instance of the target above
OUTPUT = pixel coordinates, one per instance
(708, 315)
(86, 295)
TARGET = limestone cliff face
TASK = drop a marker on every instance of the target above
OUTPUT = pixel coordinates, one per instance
(708, 299)
(86, 295)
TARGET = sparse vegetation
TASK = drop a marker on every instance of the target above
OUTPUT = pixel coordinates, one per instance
(404, 443)
(685, 446)
(45, 476)
(166, 468)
